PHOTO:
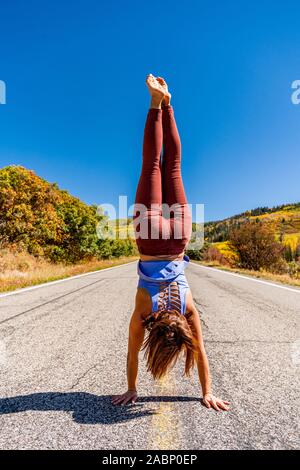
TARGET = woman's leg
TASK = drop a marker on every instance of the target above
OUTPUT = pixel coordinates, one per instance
(147, 210)
(149, 186)
(172, 185)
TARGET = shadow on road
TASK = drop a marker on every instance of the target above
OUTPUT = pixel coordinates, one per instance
(85, 407)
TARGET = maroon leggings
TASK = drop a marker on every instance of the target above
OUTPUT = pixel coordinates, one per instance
(162, 218)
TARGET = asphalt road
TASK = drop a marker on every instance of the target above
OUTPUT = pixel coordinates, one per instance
(63, 352)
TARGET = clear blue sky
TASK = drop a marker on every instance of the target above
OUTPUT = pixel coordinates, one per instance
(76, 98)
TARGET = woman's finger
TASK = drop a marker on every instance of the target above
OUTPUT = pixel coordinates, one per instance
(222, 405)
(117, 401)
(115, 398)
(206, 403)
(132, 400)
(126, 400)
(214, 404)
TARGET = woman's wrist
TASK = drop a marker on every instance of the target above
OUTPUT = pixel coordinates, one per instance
(207, 391)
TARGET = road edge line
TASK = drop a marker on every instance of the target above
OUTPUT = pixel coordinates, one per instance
(57, 281)
(269, 283)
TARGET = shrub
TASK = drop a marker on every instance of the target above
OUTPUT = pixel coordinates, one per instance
(197, 254)
(294, 269)
(213, 254)
(256, 247)
(297, 253)
(288, 253)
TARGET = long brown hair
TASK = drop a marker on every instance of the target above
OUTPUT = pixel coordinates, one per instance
(169, 335)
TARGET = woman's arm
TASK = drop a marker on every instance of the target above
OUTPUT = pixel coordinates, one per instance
(135, 342)
(209, 399)
(202, 361)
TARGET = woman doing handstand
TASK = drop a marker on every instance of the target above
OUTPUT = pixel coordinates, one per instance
(164, 305)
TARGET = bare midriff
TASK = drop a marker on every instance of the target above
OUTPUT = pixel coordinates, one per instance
(162, 257)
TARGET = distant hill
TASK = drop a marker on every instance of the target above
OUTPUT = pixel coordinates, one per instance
(283, 219)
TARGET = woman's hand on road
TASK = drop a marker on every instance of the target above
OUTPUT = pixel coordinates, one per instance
(128, 397)
(210, 401)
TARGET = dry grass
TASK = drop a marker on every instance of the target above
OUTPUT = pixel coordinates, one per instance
(20, 269)
(282, 278)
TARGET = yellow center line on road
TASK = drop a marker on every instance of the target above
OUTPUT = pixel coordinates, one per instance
(165, 425)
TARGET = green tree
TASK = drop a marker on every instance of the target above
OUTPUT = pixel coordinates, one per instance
(37, 216)
(198, 254)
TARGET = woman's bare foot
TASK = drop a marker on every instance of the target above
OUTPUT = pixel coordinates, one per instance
(167, 94)
(156, 91)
